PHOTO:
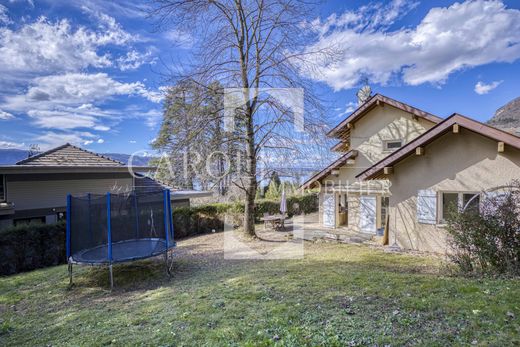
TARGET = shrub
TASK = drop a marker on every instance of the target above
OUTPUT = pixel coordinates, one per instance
(188, 221)
(487, 241)
(30, 246)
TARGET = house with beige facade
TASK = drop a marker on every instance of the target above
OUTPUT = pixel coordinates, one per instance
(402, 167)
(35, 189)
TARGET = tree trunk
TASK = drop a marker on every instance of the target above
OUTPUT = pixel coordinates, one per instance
(251, 183)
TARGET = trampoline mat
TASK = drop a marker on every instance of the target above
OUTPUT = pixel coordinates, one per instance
(122, 251)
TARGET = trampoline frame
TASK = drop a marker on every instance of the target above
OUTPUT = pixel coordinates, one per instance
(168, 226)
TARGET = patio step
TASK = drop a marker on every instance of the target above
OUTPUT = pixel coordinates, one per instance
(343, 237)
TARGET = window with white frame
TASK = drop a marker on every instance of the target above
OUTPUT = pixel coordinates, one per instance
(392, 145)
(2, 188)
(458, 201)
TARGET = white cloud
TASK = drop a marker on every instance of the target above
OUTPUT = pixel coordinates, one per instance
(74, 88)
(11, 145)
(4, 17)
(68, 101)
(368, 18)
(179, 38)
(132, 141)
(482, 88)
(134, 59)
(131, 9)
(349, 108)
(152, 117)
(89, 142)
(51, 47)
(447, 39)
(30, 2)
(53, 139)
(5, 115)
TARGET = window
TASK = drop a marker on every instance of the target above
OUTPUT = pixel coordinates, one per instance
(471, 202)
(456, 200)
(392, 145)
(450, 202)
(2, 188)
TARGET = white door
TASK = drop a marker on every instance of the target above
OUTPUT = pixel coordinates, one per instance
(329, 210)
(367, 214)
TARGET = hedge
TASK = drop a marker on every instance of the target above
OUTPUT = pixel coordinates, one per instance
(195, 220)
(30, 246)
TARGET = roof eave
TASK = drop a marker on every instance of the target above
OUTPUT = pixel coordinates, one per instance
(309, 184)
(434, 133)
(375, 100)
(188, 194)
(30, 169)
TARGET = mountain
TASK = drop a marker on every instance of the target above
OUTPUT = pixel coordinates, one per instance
(11, 156)
(507, 117)
(124, 158)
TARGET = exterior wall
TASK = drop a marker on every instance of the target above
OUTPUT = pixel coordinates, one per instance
(38, 195)
(454, 162)
(353, 212)
(383, 123)
(368, 135)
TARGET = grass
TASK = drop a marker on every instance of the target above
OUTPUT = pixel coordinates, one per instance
(337, 295)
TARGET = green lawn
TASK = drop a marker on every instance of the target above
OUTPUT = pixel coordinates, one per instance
(337, 295)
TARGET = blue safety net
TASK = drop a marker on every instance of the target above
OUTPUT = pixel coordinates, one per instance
(119, 227)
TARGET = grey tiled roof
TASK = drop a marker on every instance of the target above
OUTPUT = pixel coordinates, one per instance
(146, 184)
(68, 155)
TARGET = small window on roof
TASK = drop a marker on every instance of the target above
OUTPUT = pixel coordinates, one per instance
(392, 145)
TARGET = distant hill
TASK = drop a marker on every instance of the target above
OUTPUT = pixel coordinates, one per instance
(11, 156)
(137, 160)
(507, 117)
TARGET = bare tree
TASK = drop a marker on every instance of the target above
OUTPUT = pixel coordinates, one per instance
(251, 45)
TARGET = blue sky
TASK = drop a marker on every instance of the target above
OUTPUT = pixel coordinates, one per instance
(90, 72)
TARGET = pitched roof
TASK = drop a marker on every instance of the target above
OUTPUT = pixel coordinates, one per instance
(323, 173)
(379, 99)
(145, 184)
(436, 132)
(68, 155)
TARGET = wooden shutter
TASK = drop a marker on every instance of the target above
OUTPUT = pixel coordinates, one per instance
(427, 206)
(367, 213)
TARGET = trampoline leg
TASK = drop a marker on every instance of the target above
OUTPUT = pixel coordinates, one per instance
(70, 274)
(111, 277)
(167, 264)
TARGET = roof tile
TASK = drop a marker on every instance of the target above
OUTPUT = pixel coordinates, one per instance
(68, 155)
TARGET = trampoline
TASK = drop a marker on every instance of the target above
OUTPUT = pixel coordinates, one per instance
(116, 228)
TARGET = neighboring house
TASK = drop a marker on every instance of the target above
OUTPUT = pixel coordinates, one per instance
(377, 128)
(35, 189)
(436, 163)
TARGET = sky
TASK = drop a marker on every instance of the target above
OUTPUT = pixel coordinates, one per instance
(92, 72)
